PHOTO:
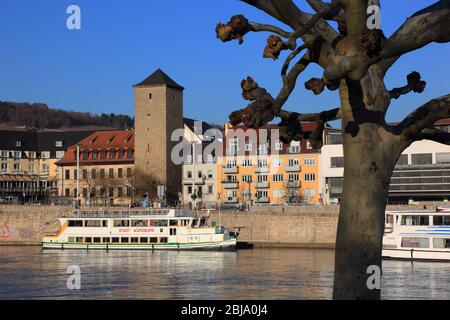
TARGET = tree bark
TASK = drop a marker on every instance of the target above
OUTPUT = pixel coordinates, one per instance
(370, 154)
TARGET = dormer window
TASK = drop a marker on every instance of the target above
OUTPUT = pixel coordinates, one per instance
(85, 155)
(18, 143)
(59, 143)
(112, 154)
(94, 155)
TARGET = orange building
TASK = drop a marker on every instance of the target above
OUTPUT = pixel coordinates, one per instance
(256, 168)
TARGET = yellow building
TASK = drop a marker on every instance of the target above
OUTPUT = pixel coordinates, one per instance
(256, 170)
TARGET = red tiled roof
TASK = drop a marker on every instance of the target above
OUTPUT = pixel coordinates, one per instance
(306, 126)
(105, 141)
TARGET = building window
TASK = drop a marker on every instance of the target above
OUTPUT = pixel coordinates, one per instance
(279, 146)
(94, 155)
(93, 174)
(4, 155)
(18, 143)
(75, 174)
(189, 174)
(16, 167)
(60, 154)
(262, 149)
(120, 173)
(262, 178)
(309, 193)
(293, 162)
(45, 155)
(443, 157)
(129, 172)
(67, 192)
(67, 174)
(130, 154)
(85, 192)
(277, 178)
(337, 162)
(119, 192)
(59, 143)
(293, 177)
(120, 154)
(210, 174)
(149, 96)
(247, 163)
(103, 155)
(102, 173)
(189, 189)
(4, 168)
(85, 155)
(210, 189)
(310, 162)
(308, 145)
(310, 177)
(277, 162)
(278, 193)
(111, 173)
(85, 175)
(32, 155)
(17, 155)
(421, 158)
(262, 163)
(247, 178)
(112, 154)
(129, 191)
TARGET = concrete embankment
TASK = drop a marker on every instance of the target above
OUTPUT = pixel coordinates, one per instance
(295, 226)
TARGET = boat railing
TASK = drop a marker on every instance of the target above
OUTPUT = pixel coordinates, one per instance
(111, 213)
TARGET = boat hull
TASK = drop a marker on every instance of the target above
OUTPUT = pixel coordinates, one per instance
(419, 255)
(227, 245)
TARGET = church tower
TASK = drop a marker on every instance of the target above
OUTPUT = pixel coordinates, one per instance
(158, 111)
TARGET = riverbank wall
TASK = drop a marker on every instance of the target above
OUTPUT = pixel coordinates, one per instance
(265, 226)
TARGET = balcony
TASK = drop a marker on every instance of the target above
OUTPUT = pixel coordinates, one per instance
(230, 170)
(293, 184)
(293, 168)
(262, 185)
(190, 181)
(230, 184)
(231, 200)
(262, 200)
(261, 169)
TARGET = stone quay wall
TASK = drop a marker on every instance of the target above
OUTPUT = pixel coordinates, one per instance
(294, 226)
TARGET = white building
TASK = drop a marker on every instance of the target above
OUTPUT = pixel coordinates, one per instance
(422, 172)
(200, 175)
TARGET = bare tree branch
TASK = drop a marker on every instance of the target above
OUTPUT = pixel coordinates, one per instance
(428, 25)
(432, 134)
(266, 6)
(424, 117)
(270, 28)
(337, 14)
(414, 83)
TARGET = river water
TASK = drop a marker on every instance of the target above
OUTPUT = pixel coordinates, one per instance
(30, 273)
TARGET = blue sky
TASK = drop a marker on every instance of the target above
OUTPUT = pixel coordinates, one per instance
(122, 42)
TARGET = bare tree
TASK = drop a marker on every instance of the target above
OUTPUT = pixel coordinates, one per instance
(142, 183)
(355, 60)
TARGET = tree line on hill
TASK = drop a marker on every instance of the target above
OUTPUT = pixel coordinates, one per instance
(39, 115)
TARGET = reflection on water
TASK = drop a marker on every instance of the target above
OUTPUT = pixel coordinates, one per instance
(30, 273)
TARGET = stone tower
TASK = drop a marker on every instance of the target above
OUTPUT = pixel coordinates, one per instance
(158, 111)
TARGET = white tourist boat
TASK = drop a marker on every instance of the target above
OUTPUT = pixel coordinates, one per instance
(417, 235)
(144, 229)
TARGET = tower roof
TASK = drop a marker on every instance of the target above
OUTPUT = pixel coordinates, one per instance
(159, 78)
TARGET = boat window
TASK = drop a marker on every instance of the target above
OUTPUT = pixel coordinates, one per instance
(173, 222)
(409, 242)
(415, 220)
(79, 239)
(71, 239)
(124, 240)
(441, 243)
(134, 240)
(441, 220)
(163, 240)
(88, 239)
(389, 219)
(97, 240)
(75, 223)
(185, 222)
(144, 240)
(92, 223)
(139, 223)
(203, 222)
(105, 223)
(106, 240)
(194, 222)
(173, 231)
(121, 223)
(153, 240)
(115, 240)
(158, 223)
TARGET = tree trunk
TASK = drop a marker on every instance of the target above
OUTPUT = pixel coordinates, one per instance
(370, 154)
